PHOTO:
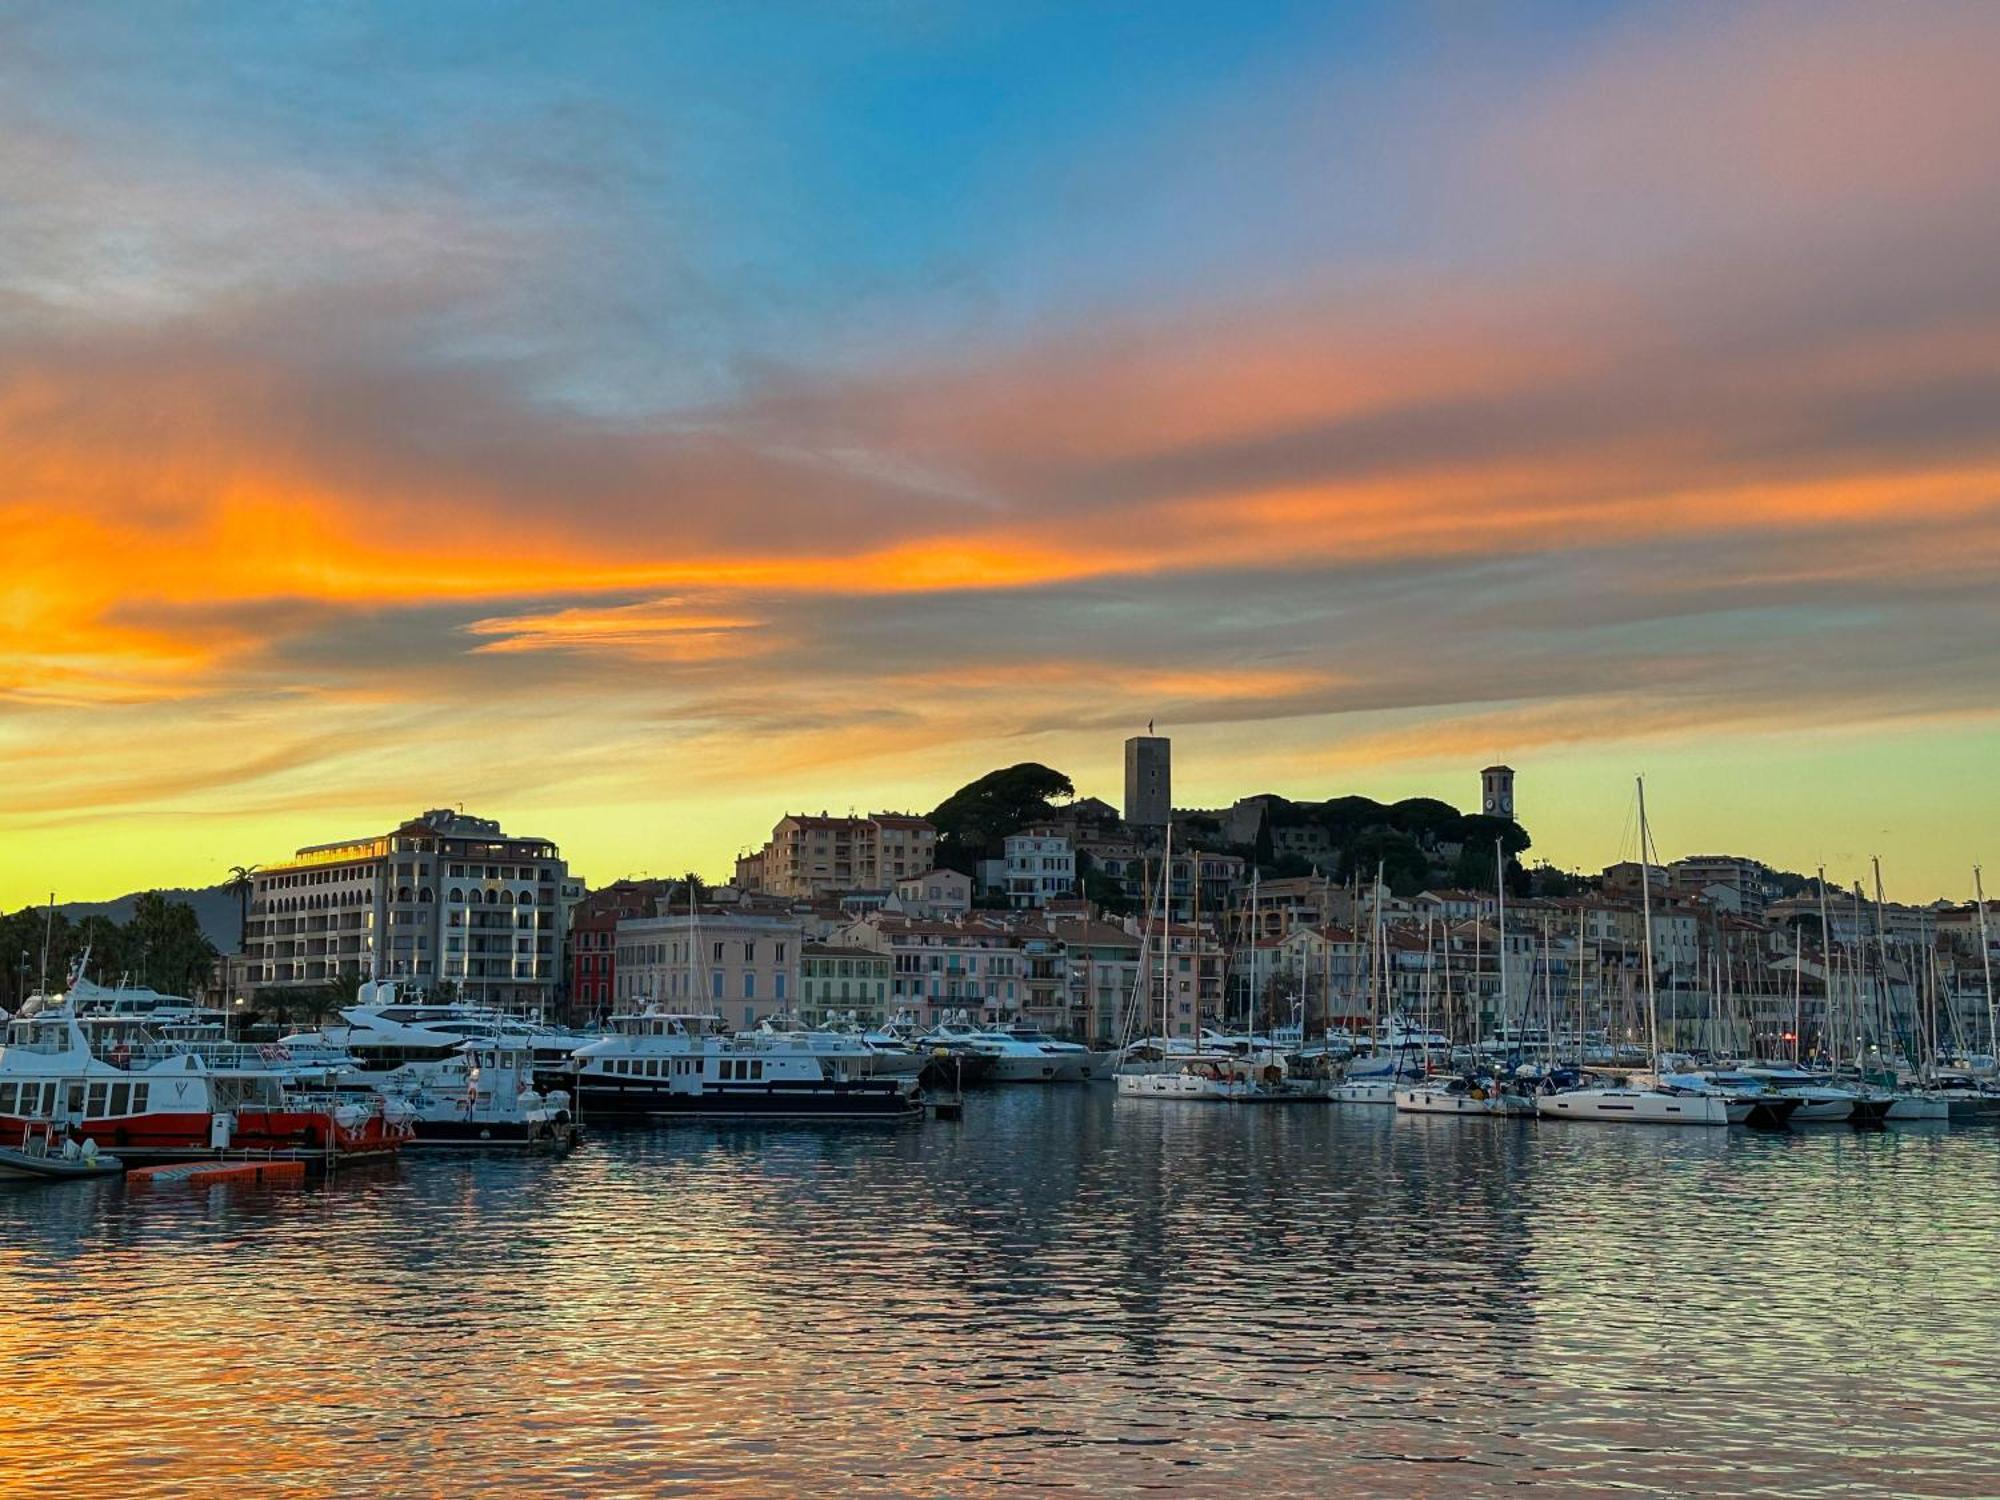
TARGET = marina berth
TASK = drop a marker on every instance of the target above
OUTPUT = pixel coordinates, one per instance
(659, 1065)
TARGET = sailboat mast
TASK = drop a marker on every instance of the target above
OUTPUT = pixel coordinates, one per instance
(1500, 942)
(1167, 934)
(1256, 975)
(48, 936)
(1377, 954)
(1889, 1015)
(1646, 924)
(1826, 977)
(1986, 965)
(1798, 1001)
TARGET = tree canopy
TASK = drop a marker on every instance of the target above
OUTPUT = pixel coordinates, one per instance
(162, 946)
(973, 820)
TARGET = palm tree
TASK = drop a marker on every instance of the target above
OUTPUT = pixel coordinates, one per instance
(240, 886)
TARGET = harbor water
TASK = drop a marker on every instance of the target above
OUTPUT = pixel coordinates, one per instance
(1063, 1290)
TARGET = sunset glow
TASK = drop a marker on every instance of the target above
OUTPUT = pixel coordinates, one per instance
(793, 414)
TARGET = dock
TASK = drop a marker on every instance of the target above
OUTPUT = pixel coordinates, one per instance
(208, 1173)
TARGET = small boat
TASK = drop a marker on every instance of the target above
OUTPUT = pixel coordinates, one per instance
(39, 1159)
(488, 1102)
(1450, 1096)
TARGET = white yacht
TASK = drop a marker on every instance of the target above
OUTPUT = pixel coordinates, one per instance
(1021, 1054)
(1629, 1105)
(662, 1065)
(885, 1059)
(405, 1040)
(1451, 1096)
(1641, 1100)
(1234, 1080)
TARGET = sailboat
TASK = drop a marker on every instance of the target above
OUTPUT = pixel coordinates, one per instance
(1201, 1076)
(1643, 1100)
(1370, 1077)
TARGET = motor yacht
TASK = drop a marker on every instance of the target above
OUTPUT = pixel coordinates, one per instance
(660, 1065)
(1021, 1054)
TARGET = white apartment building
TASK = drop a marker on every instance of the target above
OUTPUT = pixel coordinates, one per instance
(442, 899)
(1037, 869)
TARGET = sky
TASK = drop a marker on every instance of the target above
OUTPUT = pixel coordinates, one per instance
(634, 422)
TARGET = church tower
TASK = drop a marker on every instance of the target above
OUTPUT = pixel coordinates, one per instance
(1496, 787)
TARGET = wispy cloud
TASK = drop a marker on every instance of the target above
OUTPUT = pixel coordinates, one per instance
(1671, 413)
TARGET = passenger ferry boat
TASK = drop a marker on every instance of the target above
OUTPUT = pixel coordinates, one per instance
(661, 1065)
(155, 1101)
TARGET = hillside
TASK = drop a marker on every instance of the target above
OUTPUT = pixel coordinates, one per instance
(214, 908)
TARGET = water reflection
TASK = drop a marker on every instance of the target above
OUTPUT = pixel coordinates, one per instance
(1063, 1291)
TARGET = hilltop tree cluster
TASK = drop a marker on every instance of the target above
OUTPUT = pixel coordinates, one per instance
(1416, 842)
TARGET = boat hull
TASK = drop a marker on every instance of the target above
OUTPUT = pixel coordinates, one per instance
(1634, 1107)
(1196, 1087)
(865, 1099)
(473, 1135)
(1363, 1091)
(1917, 1107)
(1422, 1100)
(23, 1166)
(275, 1135)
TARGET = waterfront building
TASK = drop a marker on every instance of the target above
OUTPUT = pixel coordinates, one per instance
(1101, 968)
(443, 899)
(1193, 981)
(837, 982)
(722, 960)
(972, 964)
(593, 947)
(1149, 799)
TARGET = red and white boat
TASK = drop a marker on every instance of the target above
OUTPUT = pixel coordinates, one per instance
(149, 1100)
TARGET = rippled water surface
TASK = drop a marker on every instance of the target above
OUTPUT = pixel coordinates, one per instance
(1063, 1290)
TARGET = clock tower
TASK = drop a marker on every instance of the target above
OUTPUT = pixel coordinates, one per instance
(1496, 792)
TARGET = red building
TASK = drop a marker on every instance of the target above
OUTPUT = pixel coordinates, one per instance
(593, 942)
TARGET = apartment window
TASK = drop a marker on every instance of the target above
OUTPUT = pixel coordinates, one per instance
(749, 985)
(750, 953)
(779, 982)
(716, 984)
(781, 953)
(718, 953)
